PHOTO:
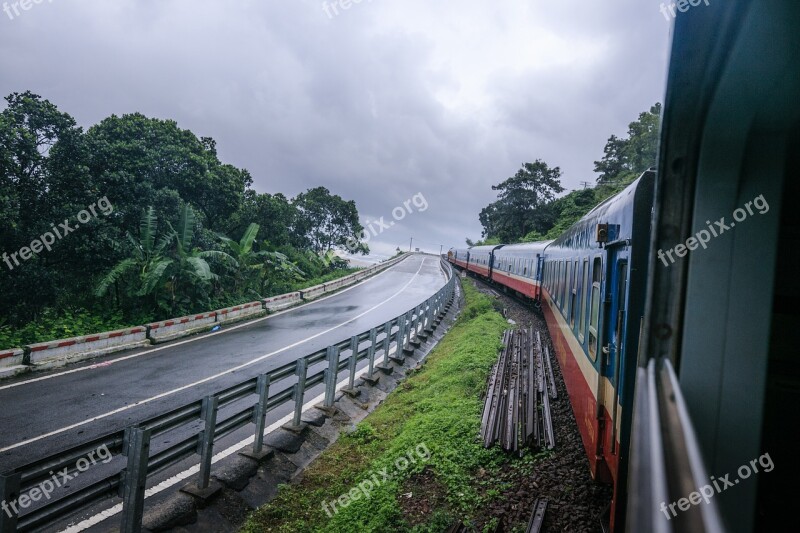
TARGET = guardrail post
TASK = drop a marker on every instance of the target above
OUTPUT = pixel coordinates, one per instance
(387, 340)
(333, 372)
(9, 491)
(401, 335)
(409, 317)
(300, 390)
(137, 449)
(205, 442)
(429, 315)
(353, 361)
(373, 340)
(260, 418)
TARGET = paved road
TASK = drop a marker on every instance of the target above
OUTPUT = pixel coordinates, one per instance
(50, 412)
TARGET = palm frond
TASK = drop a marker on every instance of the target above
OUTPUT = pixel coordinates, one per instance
(200, 268)
(249, 237)
(186, 225)
(119, 270)
(154, 276)
(222, 256)
(147, 229)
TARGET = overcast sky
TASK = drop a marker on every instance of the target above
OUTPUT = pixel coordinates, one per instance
(381, 102)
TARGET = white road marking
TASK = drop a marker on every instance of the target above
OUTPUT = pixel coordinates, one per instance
(174, 480)
(193, 339)
(210, 378)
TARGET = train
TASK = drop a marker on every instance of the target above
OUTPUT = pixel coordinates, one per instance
(590, 284)
(683, 374)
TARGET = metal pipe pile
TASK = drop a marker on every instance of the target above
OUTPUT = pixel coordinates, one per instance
(516, 411)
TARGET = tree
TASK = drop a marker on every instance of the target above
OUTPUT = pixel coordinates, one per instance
(642, 147)
(40, 164)
(325, 221)
(614, 160)
(172, 272)
(140, 162)
(273, 213)
(523, 203)
(628, 157)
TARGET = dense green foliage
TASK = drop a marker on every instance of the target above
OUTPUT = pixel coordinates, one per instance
(527, 210)
(438, 407)
(136, 219)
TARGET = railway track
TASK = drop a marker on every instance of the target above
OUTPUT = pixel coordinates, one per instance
(517, 406)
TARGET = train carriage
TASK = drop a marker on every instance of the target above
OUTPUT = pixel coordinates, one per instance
(480, 260)
(517, 266)
(593, 294)
(458, 256)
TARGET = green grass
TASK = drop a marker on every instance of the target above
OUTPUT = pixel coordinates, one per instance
(438, 407)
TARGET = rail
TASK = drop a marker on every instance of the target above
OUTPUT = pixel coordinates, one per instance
(200, 420)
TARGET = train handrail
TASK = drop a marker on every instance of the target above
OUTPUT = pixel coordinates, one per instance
(664, 448)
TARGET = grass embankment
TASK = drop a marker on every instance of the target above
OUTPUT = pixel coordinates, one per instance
(436, 409)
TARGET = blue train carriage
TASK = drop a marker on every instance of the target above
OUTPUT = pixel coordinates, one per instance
(594, 283)
(518, 267)
(480, 260)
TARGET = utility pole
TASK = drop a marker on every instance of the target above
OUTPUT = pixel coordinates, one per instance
(585, 184)
(441, 246)
(411, 244)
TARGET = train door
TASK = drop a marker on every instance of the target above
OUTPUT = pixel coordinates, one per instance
(615, 325)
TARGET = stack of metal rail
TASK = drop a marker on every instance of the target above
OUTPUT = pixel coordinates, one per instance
(516, 411)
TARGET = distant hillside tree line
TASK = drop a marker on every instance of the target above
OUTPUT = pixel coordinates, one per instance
(527, 208)
(187, 232)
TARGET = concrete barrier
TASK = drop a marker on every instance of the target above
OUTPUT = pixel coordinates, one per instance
(240, 312)
(11, 362)
(174, 328)
(276, 303)
(12, 357)
(312, 292)
(56, 353)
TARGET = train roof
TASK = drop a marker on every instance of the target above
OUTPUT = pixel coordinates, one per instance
(604, 210)
(486, 248)
(525, 246)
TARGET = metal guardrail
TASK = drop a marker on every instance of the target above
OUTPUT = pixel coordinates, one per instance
(134, 443)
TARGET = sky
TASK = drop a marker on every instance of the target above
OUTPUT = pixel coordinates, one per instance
(409, 107)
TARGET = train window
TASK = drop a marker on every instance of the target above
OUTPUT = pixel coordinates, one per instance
(594, 318)
(583, 290)
(564, 278)
(573, 296)
(568, 304)
(558, 282)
